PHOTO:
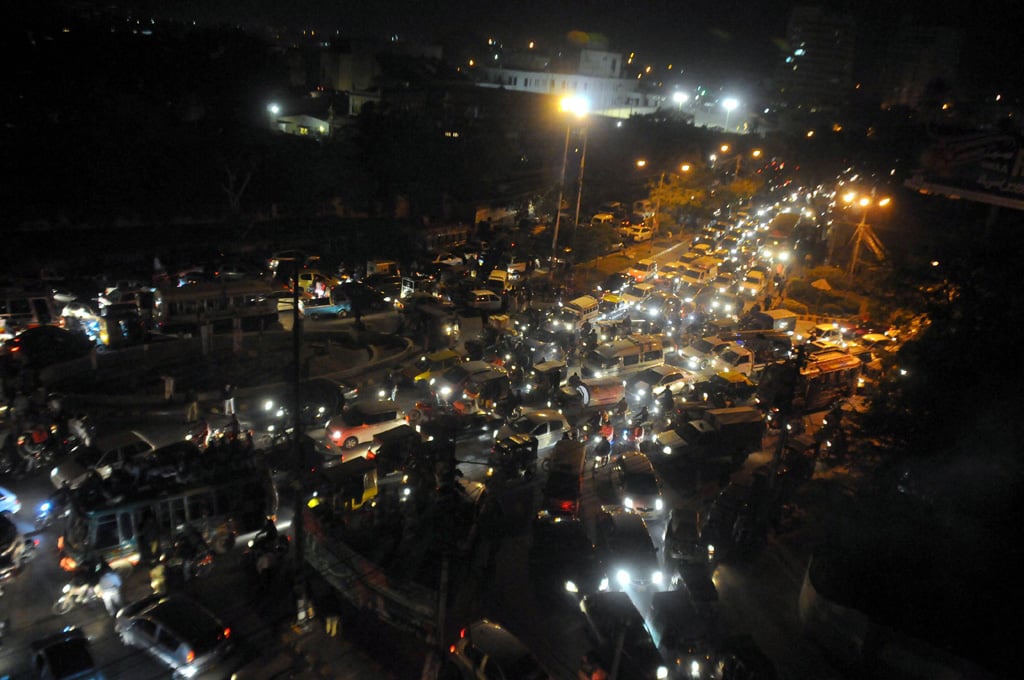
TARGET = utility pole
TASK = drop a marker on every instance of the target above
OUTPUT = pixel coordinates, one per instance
(579, 187)
(558, 208)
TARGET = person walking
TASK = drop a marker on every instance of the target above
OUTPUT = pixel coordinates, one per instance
(191, 405)
(228, 395)
(109, 587)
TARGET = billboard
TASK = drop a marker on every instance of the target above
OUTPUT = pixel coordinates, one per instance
(984, 167)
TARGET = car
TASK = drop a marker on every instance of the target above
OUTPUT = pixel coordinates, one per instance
(696, 580)
(429, 367)
(701, 353)
(672, 270)
(681, 634)
(109, 453)
(644, 270)
(637, 485)
(754, 283)
(625, 548)
(9, 501)
(652, 382)
(681, 541)
(484, 300)
(615, 283)
(547, 425)
(487, 651)
(449, 259)
(333, 307)
(563, 560)
(65, 655)
(361, 422)
(617, 628)
(449, 385)
(637, 293)
(640, 234)
(180, 633)
(43, 346)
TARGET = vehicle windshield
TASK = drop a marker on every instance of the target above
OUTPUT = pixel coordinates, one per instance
(456, 374)
(730, 357)
(595, 359)
(702, 346)
(640, 483)
(636, 291)
(423, 363)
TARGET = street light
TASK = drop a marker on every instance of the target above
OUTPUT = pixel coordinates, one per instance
(863, 232)
(273, 109)
(579, 107)
(729, 104)
(680, 98)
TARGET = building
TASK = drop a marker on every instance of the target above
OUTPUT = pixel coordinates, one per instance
(597, 75)
(920, 69)
(817, 73)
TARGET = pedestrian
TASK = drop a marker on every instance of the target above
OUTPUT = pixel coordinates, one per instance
(109, 588)
(191, 405)
(331, 610)
(228, 395)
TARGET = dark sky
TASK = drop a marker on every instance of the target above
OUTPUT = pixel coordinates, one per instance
(743, 35)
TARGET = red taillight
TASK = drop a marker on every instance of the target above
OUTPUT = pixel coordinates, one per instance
(190, 657)
(370, 455)
(451, 650)
(567, 506)
(227, 633)
(462, 634)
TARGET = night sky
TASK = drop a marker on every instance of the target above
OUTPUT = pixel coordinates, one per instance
(742, 38)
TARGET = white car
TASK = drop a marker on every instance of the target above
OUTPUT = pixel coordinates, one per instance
(9, 501)
(641, 234)
(546, 425)
(651, 383)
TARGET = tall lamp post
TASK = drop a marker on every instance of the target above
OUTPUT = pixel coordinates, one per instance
(579, 186)
(863, 233)
(729, 104)
(578, 107)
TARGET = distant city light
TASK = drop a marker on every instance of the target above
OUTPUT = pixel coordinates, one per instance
(730, 103)
(273, 108)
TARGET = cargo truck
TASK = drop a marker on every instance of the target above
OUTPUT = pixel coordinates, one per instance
(731, 433)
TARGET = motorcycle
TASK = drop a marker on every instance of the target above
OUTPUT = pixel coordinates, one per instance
(193, 553)
(79, 592)
(54, 509)
(19, 552)
(266, 553)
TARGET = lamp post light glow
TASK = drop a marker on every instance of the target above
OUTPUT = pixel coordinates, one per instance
(729, 104)
(578, 106)
(679, 98)
(272, 110)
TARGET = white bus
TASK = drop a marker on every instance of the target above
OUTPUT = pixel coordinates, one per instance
(218, 303)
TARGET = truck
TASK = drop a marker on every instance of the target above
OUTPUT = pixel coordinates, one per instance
(721, 433)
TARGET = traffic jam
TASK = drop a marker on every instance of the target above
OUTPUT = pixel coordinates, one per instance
(614, 403)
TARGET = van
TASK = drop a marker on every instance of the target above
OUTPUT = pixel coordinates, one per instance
(564, 486)
(584, 308)
(20, 310)
(110, 453)
(701, 271)
(499, 281)
(624, 356)
(603, 219)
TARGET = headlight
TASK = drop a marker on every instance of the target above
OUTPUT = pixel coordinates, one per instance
(571, 587)
(268, 405)
(603, 586)
(445, 391)
(659, 504)
(657, 577)
(622, 577)
(666, 450)
(628, 502)
(694, 669)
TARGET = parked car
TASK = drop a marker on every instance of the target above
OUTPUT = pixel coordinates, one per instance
(487, 651)
(180, 633)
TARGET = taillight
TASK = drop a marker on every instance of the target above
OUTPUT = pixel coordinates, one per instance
(462, 634)
(567, 506)
(227, 633)
(370, 455)
(190, 657)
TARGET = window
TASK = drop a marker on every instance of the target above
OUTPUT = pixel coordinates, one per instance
(167, 640)
(653, 355)
(106, 533)
(631, 360)
(145, 628)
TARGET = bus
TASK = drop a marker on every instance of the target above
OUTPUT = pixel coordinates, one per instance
(222, 504)
(219, 303)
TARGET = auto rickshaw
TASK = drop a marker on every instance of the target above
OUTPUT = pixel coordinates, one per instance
(544, 380)
(513, 457)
